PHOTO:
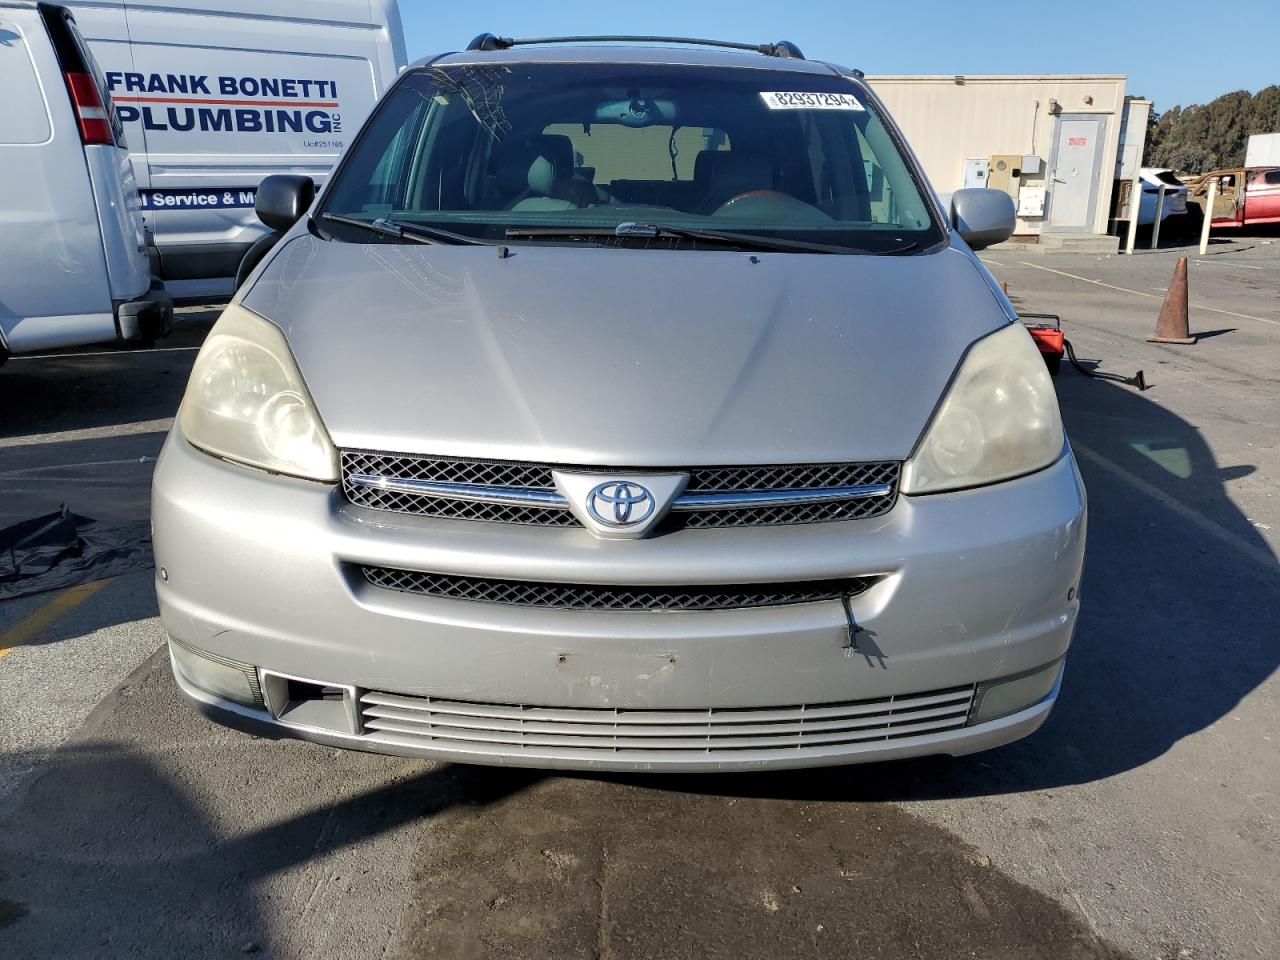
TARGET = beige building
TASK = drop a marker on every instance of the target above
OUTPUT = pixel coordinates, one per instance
(1050, 141)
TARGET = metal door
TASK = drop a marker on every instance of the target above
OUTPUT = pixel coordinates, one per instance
(1073, 184)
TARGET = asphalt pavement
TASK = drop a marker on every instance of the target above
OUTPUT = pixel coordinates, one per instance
(1142, 821)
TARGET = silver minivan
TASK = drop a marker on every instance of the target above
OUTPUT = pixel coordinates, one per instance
(73, 246)
(623, 407)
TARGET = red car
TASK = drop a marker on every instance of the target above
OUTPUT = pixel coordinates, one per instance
(1246, 195)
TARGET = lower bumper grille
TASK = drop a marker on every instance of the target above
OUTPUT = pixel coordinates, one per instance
(582, 596)
(508, 729)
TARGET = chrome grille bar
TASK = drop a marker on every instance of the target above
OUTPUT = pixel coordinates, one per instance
(552, 500)
(690, 502)
(469, 492)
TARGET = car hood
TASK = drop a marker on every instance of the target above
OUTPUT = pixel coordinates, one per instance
(624, 357)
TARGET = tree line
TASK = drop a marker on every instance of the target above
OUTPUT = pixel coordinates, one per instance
(1205, 137)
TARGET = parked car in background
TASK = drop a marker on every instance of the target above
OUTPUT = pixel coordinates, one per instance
(624, 408)
(217, 94)
(73, 249)
(1175, 196)
(1246, 196)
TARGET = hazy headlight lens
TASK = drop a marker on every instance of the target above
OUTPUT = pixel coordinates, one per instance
(246, 401)
(999, 419)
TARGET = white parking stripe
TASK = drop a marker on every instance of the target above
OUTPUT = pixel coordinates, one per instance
(1228, 263)
(90, 433)
(101, 353)
(1140, 293)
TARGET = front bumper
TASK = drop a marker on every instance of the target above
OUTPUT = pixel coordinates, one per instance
(973, 586)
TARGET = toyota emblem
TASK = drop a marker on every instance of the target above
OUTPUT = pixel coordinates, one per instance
(620, 503)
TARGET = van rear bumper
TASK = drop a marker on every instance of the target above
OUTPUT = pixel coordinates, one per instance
(148, 317)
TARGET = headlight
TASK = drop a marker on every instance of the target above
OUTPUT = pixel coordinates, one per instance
(999, 419)
(246, 401)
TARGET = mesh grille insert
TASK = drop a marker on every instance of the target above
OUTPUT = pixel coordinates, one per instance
(535, 476)
(581, 596)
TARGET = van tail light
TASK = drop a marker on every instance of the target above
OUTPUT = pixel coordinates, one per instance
(91, 112)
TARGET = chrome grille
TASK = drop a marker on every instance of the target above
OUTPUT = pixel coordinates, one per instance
(795, 476)
(537, 478)
(640, 599)
(495, 473)
(569, 732)
(477, 472)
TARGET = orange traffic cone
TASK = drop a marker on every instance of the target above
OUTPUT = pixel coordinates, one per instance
(1173, 326)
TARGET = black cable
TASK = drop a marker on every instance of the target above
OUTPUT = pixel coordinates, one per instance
(1137, 380)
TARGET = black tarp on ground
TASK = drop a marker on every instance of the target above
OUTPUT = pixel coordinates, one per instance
(63, 549)
(73, 511)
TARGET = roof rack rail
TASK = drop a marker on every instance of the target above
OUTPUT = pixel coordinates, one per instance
(783, 48)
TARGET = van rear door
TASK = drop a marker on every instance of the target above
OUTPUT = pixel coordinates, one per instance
(54, 287)
(106, 156)
(217, 95)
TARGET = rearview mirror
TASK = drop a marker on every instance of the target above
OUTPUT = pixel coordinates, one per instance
(283, 198)
(982, 216)
(637, 112)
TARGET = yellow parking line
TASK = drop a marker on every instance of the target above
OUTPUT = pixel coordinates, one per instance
(1140, 293)
(47, 614)
(1254, 552)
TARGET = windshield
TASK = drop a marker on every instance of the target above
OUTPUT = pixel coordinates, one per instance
(546, 149)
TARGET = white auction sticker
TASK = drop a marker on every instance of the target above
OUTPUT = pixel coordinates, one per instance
(799, 100)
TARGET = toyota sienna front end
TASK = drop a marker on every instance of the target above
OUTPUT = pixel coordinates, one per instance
(623, 408)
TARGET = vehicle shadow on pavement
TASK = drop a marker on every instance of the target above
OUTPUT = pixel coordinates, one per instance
(154, 833)
(99, 387)
(1177, 622)
(157, 834)
(107, 478)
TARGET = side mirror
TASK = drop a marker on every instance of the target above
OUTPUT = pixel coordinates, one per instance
(982, 216)
(283, 198)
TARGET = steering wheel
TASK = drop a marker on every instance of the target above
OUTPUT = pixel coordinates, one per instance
(751, 193)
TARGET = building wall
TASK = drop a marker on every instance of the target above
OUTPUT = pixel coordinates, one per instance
(948, 121)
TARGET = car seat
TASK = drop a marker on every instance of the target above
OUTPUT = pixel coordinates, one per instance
(537, 174)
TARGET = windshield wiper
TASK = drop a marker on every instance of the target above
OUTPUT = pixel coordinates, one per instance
(417, 232)
(656, 230)
(905, 248)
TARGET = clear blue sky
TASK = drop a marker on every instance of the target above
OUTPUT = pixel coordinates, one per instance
(1171, 65)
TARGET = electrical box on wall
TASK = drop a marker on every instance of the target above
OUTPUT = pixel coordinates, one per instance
(975, 173)
(1005, 170)
(1031, 201)
(1032, 166)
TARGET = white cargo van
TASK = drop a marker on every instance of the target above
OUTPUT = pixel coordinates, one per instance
(217, 94)
(74, 267)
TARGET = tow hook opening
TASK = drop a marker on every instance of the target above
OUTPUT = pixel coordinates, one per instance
(311, 703)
